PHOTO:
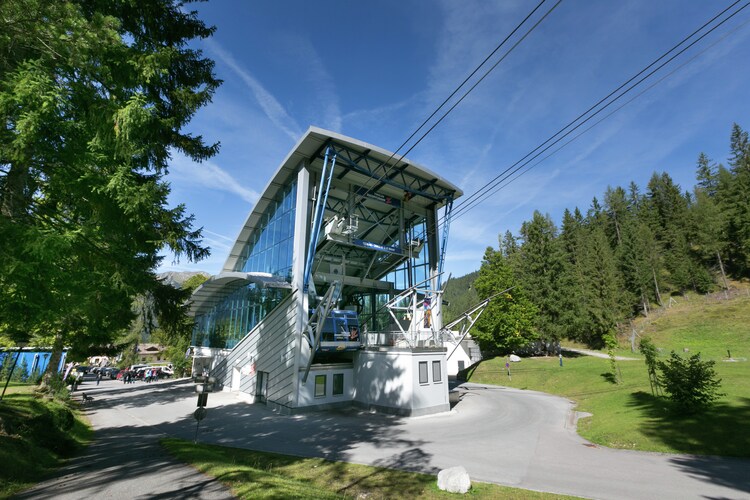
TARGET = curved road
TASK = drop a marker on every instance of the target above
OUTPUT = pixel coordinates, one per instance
(507, 436)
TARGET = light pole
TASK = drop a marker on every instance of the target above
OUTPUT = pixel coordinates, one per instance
(21, 345)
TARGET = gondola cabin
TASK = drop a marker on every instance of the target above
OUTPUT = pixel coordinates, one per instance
(340, 332)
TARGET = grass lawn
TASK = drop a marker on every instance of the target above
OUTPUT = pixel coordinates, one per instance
(254, 475)
(626, 415)
(36, 433)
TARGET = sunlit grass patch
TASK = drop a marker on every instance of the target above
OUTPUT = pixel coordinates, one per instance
(254, 474)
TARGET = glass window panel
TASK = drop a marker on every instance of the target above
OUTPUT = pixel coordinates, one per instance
(276, 263)
(286, 223)
(423, 372)
(320, 386)
(273, 232)
(436, 373)
(262, 262)
(338, 384)
(268, 268)
(288, 253)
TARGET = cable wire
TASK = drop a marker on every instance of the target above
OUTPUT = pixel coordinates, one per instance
(482, 193)
(386, 165)
(608, 115)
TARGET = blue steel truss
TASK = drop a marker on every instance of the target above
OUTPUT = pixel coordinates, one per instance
(393, 172)
(325, 179)
(444, 245)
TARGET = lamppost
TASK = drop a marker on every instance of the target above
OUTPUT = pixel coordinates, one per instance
(21, 345)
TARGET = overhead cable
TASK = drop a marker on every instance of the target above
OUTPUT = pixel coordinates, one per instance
(387, 167)
(489, 188)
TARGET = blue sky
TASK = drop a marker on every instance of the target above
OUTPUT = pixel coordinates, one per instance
(376, 70)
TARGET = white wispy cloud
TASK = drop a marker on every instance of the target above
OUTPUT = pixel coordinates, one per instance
(227, 239)
(322, 84)
(271, 107)
(208, 175)
(387, 110)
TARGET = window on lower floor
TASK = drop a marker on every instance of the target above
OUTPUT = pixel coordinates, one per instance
(320, 386)
(338, 384)
(423, 372)
(436, 374)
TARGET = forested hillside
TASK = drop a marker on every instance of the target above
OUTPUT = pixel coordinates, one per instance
(459, 296)
(619, 257)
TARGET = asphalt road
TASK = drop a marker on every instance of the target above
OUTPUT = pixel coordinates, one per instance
(507, 436)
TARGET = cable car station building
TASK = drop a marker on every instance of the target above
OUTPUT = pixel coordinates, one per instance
(332, 294)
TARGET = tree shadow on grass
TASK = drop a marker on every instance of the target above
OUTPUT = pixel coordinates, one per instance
(722, 430)
(283, 476)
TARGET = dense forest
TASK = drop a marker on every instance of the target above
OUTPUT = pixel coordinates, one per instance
(626, 254)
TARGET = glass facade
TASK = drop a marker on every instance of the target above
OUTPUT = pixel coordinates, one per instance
(231, 319)
(420, 267)
(371, 310)
(271, 247)
(269, 250)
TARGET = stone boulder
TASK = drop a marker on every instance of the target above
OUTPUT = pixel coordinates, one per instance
(454, 480)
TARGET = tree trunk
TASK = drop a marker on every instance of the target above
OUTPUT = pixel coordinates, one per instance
(54, 360)
(12, 202)
(723, 275)
(656, 287)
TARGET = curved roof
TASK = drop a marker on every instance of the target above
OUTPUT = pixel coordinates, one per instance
(215, 288)
(361, 164)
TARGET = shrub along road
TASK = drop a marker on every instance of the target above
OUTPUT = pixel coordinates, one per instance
(518, 438)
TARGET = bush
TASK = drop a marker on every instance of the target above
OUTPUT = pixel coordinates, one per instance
(691, 384)
(55, 387)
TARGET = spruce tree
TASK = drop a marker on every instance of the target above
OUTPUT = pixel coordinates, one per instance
(572, 282)
(540, 270)
(616, 210)
(737, 202)
(94, 97)
(667, 215)
(605, 302)
(708, 222)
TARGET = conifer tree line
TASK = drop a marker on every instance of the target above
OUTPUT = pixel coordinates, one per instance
(628, 253)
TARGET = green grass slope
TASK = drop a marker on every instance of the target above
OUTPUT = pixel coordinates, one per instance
(627, 415)
(36, 434)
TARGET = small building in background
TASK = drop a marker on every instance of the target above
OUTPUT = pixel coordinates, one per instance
(31, 364)
(151, 353)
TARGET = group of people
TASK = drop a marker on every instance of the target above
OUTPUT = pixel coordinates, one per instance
(148, 375)
(151, 375)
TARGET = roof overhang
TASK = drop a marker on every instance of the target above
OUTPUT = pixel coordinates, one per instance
(217, 287)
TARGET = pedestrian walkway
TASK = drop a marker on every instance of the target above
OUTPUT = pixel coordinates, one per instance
(596, 354)
(125, 461)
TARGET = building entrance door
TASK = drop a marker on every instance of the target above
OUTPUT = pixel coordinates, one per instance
(236, 374)
(261, 391)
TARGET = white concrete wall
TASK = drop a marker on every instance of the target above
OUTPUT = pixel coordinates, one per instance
(431, 396)
(269, 347)
(459, 355)
(388, 379)
(307, 389)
